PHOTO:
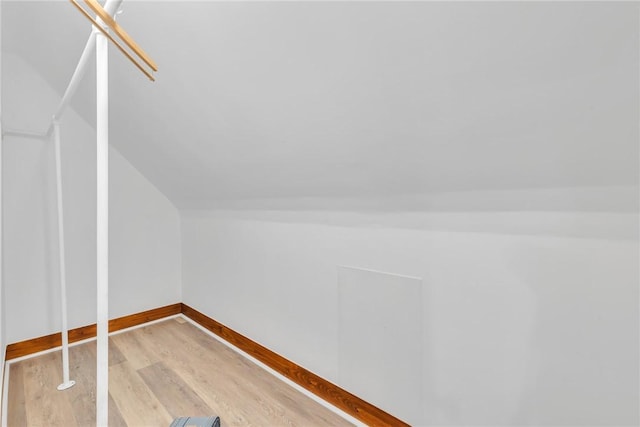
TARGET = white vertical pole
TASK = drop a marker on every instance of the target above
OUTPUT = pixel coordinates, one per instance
(2, 323)
(102, 131)
(66, 383)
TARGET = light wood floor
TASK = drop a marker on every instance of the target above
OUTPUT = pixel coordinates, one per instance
(157, 373)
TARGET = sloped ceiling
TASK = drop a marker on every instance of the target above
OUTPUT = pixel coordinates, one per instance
(258, 100)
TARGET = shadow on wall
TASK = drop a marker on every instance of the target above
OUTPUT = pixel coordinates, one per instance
(483, 316)
(536, 332)
(609, 198)
(31, 225)
(583, 351)
(587, 212)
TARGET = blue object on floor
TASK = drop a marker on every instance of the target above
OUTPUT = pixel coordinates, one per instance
(196, 422)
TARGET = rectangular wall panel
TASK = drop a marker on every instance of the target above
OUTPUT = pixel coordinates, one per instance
(380, 340)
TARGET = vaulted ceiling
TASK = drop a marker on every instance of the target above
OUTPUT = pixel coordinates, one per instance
(259, 100)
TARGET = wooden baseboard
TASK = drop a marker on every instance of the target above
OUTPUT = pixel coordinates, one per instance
(340, 398)
(47, 342)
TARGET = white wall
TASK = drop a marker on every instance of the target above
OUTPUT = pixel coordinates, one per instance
(530, 318)
(145, 270)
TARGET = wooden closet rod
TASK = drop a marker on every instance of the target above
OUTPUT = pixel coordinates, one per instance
(95, 6)
(107, 19)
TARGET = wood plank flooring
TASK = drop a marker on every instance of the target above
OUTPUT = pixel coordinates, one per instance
(157, 373)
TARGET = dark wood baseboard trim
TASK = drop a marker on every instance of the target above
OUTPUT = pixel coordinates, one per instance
(317, 385)
(47, 342)
(322, 388)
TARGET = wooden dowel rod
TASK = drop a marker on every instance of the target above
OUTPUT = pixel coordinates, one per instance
(98, 10)
(114, 41)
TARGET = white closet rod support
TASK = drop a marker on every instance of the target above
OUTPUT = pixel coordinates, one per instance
(111, 7)
(66, 382)
(75, 80)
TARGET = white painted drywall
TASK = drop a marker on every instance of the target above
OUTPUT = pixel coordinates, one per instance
(144, 225)
(530, 312)
(343, 99)
(528, 318)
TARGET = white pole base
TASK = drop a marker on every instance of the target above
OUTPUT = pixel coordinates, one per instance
(66, 385)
